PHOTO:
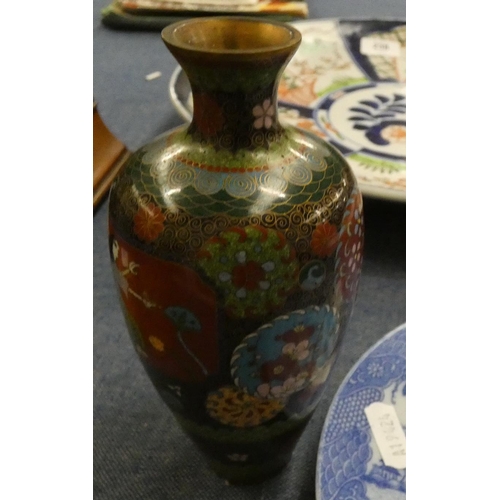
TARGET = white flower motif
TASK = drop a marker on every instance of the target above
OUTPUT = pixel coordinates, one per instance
(263, 390)
(268, 266)
(264, 285)
(291, 385)
(376, 370)
(224, 276)
(264, 114)
(297, 351)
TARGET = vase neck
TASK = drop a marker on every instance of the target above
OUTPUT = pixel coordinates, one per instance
(236, 118)
(233, 66)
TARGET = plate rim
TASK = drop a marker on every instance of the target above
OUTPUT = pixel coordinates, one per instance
(350, 373)
(174, 98)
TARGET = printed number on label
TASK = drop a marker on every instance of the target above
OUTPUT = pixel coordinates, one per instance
(388, 434)
(379, 47)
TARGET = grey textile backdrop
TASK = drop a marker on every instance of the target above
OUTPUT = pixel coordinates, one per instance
(139, 452)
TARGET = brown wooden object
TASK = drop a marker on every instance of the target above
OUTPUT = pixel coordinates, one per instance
(109, 156)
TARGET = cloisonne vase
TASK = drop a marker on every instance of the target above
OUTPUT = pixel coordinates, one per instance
(236, 244)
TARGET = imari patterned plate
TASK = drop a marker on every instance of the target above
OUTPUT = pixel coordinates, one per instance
(349, 464)
(351, 96)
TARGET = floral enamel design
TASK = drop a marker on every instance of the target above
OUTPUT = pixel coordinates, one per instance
(298, 351)
(174, 326)
(255, 268)
(148, 222)
(231, 406)
(264, 114)
(289, 387)
(284, 356)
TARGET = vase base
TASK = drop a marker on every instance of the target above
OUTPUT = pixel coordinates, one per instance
(241, 474)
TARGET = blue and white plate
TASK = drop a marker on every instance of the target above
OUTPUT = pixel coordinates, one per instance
(349, 465)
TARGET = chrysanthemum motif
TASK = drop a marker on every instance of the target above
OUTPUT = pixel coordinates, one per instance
(324, 239)
(264, 114)
(232, 406)
(255, 267)
(284, 356)
(148, 222)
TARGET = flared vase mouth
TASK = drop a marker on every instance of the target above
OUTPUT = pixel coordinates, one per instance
(232, 36)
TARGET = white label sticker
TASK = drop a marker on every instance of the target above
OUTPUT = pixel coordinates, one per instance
(388, 434)
(379, 47)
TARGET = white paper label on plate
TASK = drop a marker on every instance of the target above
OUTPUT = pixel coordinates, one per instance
(371, 46)
(388, 434)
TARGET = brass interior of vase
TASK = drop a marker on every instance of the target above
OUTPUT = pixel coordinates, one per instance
(231, 35)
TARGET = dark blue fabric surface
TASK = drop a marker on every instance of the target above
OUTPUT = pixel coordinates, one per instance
(139, 452)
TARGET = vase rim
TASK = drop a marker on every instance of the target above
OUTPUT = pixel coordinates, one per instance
(217, 35)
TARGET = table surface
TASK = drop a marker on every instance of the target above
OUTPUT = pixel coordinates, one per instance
(139, 452)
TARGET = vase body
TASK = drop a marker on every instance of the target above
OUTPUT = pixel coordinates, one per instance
(236, 245)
